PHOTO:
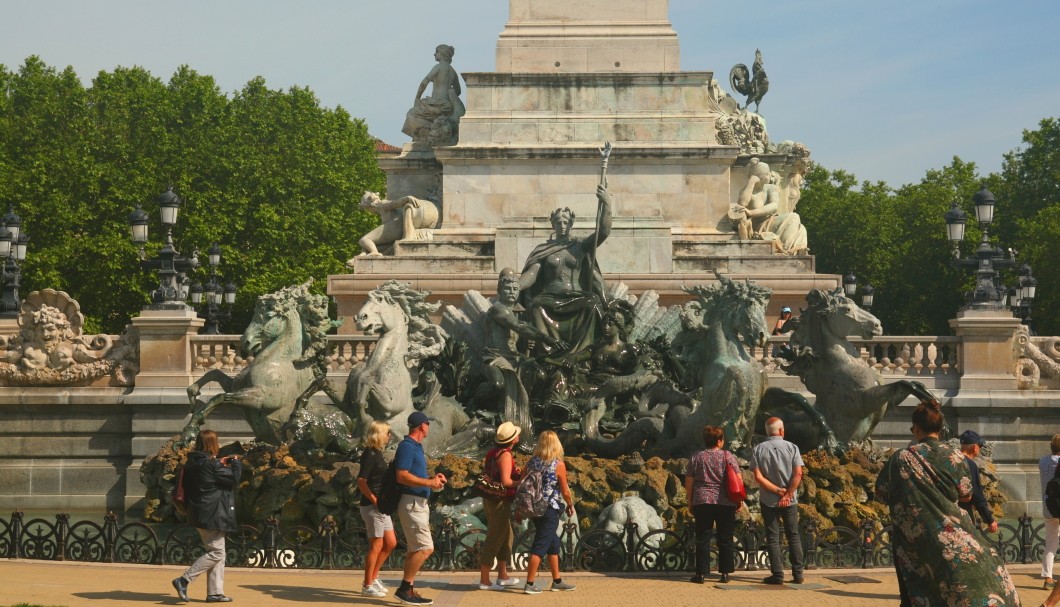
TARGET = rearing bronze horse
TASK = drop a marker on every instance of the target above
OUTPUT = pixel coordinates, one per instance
(288, 340)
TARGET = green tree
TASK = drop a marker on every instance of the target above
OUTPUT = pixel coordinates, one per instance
(894, 240)
(1028, 199)
(270, 175)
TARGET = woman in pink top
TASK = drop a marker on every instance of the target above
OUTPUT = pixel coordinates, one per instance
(705, 487)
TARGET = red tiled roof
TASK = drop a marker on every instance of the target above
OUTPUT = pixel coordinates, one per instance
(382, 147)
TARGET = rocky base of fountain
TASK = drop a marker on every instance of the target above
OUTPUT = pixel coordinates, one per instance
(299, 485)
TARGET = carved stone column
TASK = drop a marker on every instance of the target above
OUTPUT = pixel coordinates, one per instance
(985, 354)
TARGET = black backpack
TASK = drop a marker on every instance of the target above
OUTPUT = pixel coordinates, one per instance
(1052, 497)
(389, 491)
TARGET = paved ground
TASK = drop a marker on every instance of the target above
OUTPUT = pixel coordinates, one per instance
(68, 584)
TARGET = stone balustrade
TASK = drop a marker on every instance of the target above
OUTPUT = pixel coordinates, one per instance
(224, 352)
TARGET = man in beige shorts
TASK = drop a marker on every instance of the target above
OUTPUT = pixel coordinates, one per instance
(416, 486)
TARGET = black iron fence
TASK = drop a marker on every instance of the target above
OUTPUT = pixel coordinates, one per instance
(456, 545)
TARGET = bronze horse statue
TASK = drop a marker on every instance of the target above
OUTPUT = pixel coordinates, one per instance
(851, 396)
(720, 327)
(288, 340)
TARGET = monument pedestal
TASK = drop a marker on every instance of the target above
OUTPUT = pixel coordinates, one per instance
(570, 76)
(165, 353)
(986, 356)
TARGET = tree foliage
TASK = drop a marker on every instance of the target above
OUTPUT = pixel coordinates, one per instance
(895, 239)
(270, 175)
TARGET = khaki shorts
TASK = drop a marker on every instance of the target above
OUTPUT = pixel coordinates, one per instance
(375, 522)
(415, 519)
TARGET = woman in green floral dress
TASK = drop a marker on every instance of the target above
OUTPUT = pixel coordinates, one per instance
(941, 558)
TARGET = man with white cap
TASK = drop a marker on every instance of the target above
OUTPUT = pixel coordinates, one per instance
(499, 467)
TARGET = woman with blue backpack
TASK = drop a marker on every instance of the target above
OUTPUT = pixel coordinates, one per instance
(545, 480)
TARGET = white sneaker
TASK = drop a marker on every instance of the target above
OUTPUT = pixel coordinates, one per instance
(512, 581)
(378, 583)
(372, 591)
(490, 587)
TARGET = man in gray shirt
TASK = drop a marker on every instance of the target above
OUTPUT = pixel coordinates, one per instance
(777, 466)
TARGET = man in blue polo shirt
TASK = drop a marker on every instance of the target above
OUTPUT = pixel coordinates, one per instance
(416, 485)
(777, 466)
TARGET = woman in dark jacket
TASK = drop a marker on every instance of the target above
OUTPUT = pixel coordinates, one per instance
(209, 490)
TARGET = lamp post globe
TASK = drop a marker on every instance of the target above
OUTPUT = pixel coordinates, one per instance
(956, 219)
(850, 284)
(13, 223)
(170, 207)
(984, 205)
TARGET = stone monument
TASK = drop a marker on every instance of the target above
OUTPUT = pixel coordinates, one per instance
(568, 77)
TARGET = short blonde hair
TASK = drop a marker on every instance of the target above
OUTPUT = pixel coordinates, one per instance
(1055, 443)
(378, 435)
(548, 447)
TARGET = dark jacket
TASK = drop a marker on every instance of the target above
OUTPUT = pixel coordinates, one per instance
(978, 502)
(209, 487)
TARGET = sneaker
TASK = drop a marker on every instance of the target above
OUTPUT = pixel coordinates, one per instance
(411, 597)
(531, 588)
(797, 579)
(697, 579)
(562, 587)
(512, 581)
(774, 580)
(181, 585)
(372, 590)
(490, 587)
(218, 598)
(378, 583)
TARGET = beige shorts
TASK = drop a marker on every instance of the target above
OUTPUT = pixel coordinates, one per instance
(415, 519)
(375, 522)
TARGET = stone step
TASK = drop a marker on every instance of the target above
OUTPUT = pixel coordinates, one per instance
(721, 248)
(746, 264)
(443, 248)
(424, 264)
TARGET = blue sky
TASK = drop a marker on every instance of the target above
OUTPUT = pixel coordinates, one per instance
(886, 90)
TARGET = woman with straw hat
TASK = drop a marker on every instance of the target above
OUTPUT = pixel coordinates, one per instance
(499, 467)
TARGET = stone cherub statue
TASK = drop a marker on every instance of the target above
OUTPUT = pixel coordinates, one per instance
(407, 218)
(50, 349)
(436, 119)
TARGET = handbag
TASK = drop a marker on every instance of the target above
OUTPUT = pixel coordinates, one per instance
(490, 488)
(487, 483)
(179, 499)
(734, 487)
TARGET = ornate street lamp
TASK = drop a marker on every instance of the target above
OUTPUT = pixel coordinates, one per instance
(217, 300)
(1021, 297)
(850, 284)
(172, 268)
(850, 289)
(13, 245)
(987, 260)
(868, 295)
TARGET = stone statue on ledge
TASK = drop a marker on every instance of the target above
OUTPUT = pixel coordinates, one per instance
(754, 84)
(435, 120)
(760, 212)
(407, 218)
